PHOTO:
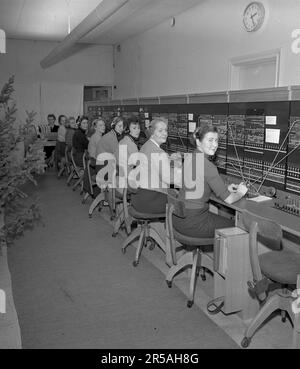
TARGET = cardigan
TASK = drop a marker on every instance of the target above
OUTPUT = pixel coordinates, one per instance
(154, 171)
(130, 147)
(108, 143)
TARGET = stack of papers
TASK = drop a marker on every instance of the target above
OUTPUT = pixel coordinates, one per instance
(260, 198)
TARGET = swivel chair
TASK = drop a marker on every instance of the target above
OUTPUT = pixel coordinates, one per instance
(122, 215)
(193, 257)
(76, 173)
(105, 196)
(278, 266)
(89, 181)
(147, 235)
(65, 164)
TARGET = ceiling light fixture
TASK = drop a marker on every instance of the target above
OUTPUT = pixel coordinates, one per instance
(64, 49)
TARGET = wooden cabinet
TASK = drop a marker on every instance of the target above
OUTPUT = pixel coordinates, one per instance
(232, 272)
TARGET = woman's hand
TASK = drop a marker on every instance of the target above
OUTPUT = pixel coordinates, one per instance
(242, 189)
(232, 187)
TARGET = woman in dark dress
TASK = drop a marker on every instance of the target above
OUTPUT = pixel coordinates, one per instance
(80, 141)
(199, 222)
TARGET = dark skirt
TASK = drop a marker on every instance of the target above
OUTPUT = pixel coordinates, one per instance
(60, 150)
(200, 224)
(147, 201)
(78, 155)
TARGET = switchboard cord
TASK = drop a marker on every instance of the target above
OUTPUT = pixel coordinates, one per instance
(218, 303)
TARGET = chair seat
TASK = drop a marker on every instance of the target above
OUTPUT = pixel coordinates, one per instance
(145, 216)
(192, 241)
(280, 266)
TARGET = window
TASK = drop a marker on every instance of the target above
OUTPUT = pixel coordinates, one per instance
(256, 71)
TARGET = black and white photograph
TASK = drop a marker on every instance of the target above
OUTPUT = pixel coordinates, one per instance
(149, 177)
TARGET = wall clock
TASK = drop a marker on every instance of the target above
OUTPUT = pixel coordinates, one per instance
(253, 16)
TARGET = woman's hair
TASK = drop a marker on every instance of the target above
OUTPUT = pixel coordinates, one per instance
(81, 119)
(51, 116)
(154, 123)
(201, 131)
(131, 122)
(115, 121)
(60, 117)
(94, 122)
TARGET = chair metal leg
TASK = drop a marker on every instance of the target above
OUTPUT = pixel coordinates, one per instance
(272, 304)
(140, 245)
(193, 278)
(119, 220)
(77, 183)
(85, 197)
(95, 203)
(153, 234)
(185, 260)
(127, 221)
(61, 171)
(109, 200)
(70, 176)
(135, 234)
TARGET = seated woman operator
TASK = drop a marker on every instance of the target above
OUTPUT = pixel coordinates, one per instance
(151, 196)
(199, 222)
(128, 145)
(80, 141)
(109, 142)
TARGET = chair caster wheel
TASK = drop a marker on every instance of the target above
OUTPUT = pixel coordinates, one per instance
(190, 304)
(135, 263)
(123, 251)
(283, 319)
(245, 342)
(90, 216)
(114, 235)
(203, 277)
(169, 284)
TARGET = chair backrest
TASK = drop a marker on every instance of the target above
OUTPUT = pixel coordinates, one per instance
(73, 163)
(264, 230)
(85, 159)
(88, 169)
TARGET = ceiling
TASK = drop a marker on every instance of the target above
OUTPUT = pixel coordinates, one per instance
(51, 20)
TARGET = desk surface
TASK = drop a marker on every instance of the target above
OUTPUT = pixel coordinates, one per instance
(289, 222)
(49, 143)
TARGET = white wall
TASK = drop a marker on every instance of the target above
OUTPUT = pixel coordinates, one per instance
(58, 89)
(194, 56)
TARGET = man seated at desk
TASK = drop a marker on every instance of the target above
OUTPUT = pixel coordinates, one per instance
(199, 222)
(49, 132)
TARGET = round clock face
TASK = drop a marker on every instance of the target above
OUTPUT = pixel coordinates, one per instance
(254, 16)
